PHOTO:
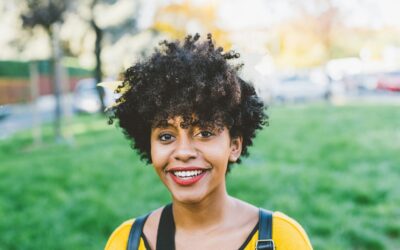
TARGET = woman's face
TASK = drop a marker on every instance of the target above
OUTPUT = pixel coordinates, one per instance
(192, 162)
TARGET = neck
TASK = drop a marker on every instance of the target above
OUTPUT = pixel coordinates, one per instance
(207, 213)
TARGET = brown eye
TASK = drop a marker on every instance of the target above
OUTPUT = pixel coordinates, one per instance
(205, 134)
(165, 137)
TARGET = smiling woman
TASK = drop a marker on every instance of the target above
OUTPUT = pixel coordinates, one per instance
(189, 114)
(192, 157)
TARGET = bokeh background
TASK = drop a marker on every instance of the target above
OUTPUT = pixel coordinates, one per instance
(329, 71)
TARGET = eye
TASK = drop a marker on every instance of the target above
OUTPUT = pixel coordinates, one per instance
(165, 137)
(204, 134)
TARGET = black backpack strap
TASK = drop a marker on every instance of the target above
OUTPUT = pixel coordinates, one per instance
(166, 230)
(136, 232)
(265, 241)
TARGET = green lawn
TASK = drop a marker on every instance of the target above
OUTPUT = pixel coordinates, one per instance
(334, 169)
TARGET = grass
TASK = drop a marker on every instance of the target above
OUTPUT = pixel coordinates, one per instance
(334, 169)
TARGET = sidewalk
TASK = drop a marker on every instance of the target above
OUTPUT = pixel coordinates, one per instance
(22, 117)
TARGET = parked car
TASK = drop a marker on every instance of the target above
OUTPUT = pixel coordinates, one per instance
(298, 89)
(360, 83)
(389, 82)
(5, 111)
(86, 99)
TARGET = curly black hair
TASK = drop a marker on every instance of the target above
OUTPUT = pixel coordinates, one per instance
(193, 80)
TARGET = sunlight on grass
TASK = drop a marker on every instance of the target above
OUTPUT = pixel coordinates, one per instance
(92, 126)
(334, 169)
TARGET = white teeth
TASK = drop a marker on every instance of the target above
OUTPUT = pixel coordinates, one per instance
(185, 174)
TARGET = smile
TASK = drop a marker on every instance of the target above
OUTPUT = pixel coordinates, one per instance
(187, 177)
(187, 174)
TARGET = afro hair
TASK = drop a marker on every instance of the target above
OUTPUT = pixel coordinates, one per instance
(191, 79)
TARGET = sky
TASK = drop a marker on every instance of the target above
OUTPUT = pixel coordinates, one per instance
(356, 13)
(372, 13)
(239, 14)
(233, 15)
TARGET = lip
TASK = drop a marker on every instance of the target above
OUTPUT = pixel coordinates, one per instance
(189, 168)
(190, 181)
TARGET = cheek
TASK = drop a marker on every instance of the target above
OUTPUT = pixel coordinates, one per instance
(159, 156)
(217, 155)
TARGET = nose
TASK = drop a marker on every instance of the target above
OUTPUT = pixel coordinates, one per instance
(185, 150)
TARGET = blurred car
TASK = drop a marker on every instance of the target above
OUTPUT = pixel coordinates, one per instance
(389, 82)
(298, 89)
(86, 98)
(5, 111)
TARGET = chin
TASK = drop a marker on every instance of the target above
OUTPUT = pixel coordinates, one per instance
(188, 197)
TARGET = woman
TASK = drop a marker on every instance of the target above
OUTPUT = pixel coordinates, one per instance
(189, 114)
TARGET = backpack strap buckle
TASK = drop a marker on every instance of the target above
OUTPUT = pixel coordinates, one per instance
(265, 245)
(265, 241)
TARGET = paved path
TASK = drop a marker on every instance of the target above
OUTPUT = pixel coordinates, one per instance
(21, 116)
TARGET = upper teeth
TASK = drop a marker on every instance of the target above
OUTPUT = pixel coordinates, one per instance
(187, 173)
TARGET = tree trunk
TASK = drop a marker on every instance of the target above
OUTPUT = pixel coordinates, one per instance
(98, 72)
(57, 81)
(34, 90)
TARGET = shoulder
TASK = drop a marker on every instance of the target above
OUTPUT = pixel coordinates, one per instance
(288, 233)
(119, 238)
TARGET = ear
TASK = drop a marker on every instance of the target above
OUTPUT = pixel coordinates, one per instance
(236, 148)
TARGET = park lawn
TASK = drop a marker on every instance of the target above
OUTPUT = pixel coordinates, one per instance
(336, 170)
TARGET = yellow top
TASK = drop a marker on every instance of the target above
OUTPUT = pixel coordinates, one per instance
(286, 233)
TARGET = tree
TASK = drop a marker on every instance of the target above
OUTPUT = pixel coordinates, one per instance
(48, 15)
(179, 19)
(89, 12)
(98, 74)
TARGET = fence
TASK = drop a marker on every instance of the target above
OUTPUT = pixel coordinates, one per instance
(15, 77)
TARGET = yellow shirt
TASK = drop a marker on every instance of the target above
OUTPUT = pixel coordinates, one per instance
(286, 233)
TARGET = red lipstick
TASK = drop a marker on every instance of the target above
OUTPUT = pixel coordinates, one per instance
(186, 176)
